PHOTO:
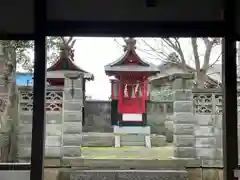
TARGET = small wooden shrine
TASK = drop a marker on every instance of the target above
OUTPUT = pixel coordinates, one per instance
(130, 88)
(65, 65)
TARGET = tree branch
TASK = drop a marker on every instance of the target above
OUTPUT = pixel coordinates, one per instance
(209, 45)
(217, 59)
(180, 52)
(69, 40)
(163, 56)
(63, 39)
(177, 48)
(195, 53)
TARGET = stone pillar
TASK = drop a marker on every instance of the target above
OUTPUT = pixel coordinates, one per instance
(184, 119)
(72, 118)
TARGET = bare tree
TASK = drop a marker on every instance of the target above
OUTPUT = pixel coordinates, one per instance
(171, 50)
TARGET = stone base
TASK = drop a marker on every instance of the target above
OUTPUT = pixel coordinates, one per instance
(131, 132)
(20, 175)
(158, 140)
(98, 139)
(124, 174)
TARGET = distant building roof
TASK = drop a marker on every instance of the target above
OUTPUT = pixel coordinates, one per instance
(214, 72)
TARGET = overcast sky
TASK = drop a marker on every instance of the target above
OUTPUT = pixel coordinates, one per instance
(93, 53)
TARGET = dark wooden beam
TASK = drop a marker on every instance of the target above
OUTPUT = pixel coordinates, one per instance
(229, 77)
(135, 29)
(230, 134)
(38, 122)
(151, 3)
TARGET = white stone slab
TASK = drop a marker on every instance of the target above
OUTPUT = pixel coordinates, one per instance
(131, 129)
(132, 117)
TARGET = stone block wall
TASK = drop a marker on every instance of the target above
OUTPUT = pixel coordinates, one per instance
(184, 120)
(196, 135)
(168, 124)
(72, 121)
(208, 129)
(63, 121)
(97, 117)
(208, 132)
(197, 126)
(156, 114)
(53, 139)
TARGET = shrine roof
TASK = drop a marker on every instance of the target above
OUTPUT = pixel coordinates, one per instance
(61, 74)
(65, 62)
(125, 62)
(132, 68)
(121, 60)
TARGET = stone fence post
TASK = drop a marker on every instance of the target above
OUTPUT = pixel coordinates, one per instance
(72, 118)
(184, 119)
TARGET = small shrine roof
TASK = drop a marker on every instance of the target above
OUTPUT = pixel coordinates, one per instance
(65, 62)
(133, 68)
(138, 64)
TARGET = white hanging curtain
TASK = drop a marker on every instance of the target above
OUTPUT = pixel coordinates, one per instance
(126, 91)
(137, 88)
(140, 92)
(148, 89)
(133, 92)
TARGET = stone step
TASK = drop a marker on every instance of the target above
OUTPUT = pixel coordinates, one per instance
(132, 140)
(104, 175)
(158, 140)
(98, 139)
(123, 174)
(133, 144)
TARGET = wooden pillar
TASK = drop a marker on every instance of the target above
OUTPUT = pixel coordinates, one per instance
(230, 134)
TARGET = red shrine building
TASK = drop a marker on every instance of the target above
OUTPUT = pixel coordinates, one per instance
(130, 87)
(63, 65)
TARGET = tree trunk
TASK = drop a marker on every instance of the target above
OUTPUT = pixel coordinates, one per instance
(9, 115)
(200, 79)
(8, 120)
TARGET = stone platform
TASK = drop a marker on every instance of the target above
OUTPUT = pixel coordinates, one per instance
(71, 174)
(123, 175)
(136, 136)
